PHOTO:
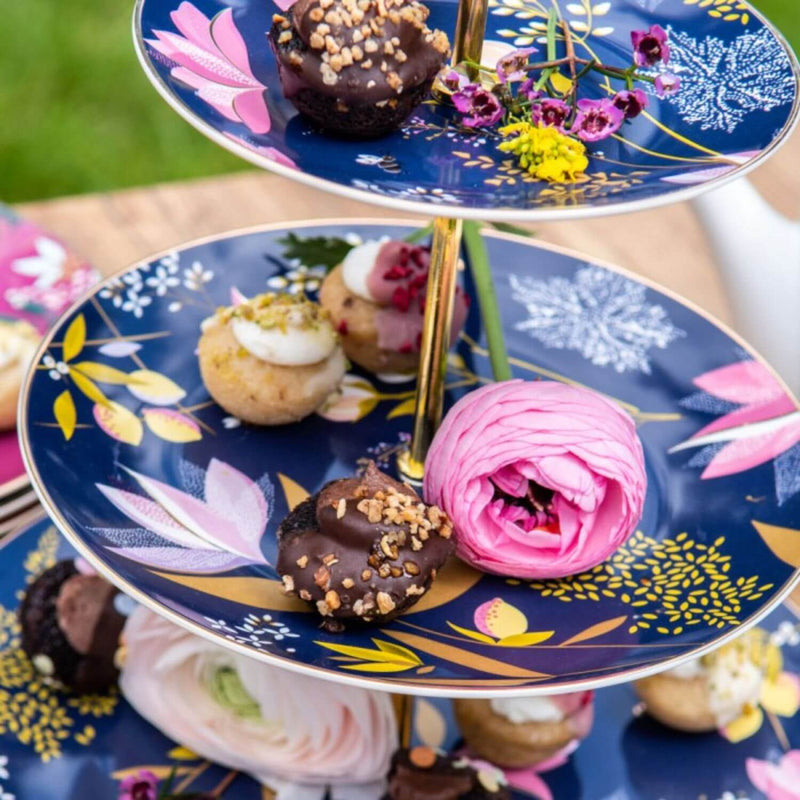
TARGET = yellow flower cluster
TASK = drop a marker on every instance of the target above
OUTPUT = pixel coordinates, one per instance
(545, 152)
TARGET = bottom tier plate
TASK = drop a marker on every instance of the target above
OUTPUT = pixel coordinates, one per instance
(69, 748)
(717, 546)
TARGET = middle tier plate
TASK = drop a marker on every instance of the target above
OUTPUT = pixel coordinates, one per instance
(718, 545)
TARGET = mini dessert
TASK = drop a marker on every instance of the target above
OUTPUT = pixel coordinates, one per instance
(524, 731)
(357, 67)
(541, 479)
(362, 549)
(18, 343)
(376, 298)
(71, 628)
(297, 735)
(710, 692)
(272, 359)
(423, 774)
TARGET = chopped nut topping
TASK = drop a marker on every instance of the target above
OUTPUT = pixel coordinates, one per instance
(316, 41)
(388, 48)
(400, 56)
(413, 590)
(333, 18)
(446, 531)
(416, 544)
(331, 46)
(322, 577)
(323, 608)
(302, 562)
(367, 65)
(374, 511)
(286, 36)
(395, 81)
(411, 567)
(278, 19)
(356, 52)
(348, 583)
(295, 59)
(329, 77)
(370, 84)
(388, 547)
(384, 570)
(385, 603)
(341, 507)
(288, 583)
(366, 574)
(358, 607)
(357, 37)
(323, 29)
(330, 559)
(397, 572)
(305, 595)
(332, 599)
(316, 14)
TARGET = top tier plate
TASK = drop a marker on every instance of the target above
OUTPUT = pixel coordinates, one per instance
(739, 100)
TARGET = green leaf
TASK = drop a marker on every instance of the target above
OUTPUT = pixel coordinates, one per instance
(74, 338)
(507, 227)
(65, 413)
(315, 251)
(419, 234)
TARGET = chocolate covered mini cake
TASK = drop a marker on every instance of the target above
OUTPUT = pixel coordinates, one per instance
(423, 774)
(357, 67)
(363, 549)
(71, 628)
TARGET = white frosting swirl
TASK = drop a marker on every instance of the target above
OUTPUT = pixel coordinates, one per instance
(520, 710)
(358, 264)
(293, 347)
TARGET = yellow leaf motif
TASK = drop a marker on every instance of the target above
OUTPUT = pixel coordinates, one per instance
(476, 635)
(379, 667)
(292, 490)
(101, 372)
(406, 656)
(119, 423)
(525, 639)
(405, 408)
(65, 414)
(87, 387)
(784, 542)
(171, 426)
(153, 387)
(74, 338)
(161, 772)
(781, 696)
(594, 631)
(748, 724)
(182, 754)
(561, 83)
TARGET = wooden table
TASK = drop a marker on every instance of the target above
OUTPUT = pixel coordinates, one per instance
(116, 229)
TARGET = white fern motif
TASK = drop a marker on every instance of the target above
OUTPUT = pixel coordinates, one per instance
(722, 83)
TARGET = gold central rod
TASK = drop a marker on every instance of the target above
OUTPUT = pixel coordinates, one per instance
(469, 33)
(442, 279)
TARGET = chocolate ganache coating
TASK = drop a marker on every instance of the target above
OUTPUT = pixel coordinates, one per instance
(423, 774)
(71, 628)
(362, 549)
(357, 66)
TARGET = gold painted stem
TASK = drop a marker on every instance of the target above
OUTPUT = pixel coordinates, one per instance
(442, 278)
(469, 33)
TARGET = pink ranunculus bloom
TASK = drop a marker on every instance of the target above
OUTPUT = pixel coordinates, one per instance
(541, 479)
(779, 781)
(295, 734)
(212, 58)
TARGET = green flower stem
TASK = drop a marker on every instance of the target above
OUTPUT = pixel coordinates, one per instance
(552, 22)
(419, 234)
(490, 313)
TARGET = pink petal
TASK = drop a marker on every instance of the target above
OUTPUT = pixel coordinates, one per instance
(744, 454)
(232, 494)
(758, 772)
(745, 382)
(526, 780)
(251, 107)
(180, 559)
(209, 65)
(751, 413)
(150, 516)
(285, 5)
(194, 25)
(230, 43)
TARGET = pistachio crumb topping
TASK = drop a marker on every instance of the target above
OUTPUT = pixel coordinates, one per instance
(273, 310)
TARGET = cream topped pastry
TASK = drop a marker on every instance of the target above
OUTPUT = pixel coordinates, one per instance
(712, 691)
(272, 359)
(363, 549)
(357, 67)
(18, 343)
(376, 298)
(519, 732)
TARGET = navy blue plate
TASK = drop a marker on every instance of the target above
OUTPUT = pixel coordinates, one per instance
(178, 503)
(738, 101)
(70, 748)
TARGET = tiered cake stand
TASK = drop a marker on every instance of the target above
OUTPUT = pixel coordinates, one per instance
(128, 454)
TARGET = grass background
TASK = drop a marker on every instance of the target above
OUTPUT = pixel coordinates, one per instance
(78, 115)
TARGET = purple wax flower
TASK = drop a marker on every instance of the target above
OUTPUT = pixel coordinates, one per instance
(453, 80)
(480, 107)
(650, 47)
(513, 66)
(630, 102)
(596, 120)
(667, 85)
(527, 91)
(141, 786)
(551, 112)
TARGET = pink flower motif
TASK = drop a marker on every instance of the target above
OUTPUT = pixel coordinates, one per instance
(213, 60)
(779, 781)
(766, 424)
(541, 479)
(271, 153)
(141, 786)
(187, 534)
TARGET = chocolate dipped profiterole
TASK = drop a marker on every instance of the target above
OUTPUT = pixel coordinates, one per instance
(357, 67)
(423, 774)
(362, 549)
(71, 628)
